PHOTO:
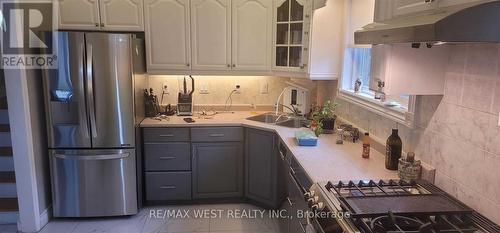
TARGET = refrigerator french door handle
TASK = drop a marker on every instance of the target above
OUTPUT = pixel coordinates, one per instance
(92, 157)
(90, 90)
(83, 113)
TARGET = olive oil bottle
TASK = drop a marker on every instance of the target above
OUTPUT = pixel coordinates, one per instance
(393, 148)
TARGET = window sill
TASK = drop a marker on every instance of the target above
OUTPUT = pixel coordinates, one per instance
(398, 114)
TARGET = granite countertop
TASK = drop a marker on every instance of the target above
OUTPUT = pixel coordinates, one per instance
(327, 161)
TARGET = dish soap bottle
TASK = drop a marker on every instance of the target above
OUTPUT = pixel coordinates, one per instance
(393, 148)
(366, 146)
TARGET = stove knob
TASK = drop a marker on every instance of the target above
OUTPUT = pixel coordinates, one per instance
(308, 195)
(312, 201)
(320, 205)
(317, 207)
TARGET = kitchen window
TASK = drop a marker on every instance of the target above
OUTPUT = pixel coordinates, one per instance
(358, 86)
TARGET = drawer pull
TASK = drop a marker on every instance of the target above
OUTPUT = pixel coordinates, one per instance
(289, 201)
(302, 226)
(168, 157)
(282, 156)
(166, 135)
(168, 187)
(216, 135)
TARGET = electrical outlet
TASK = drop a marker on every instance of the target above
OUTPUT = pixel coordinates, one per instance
(164, 88)
(264, 88)
(237, 89)
(203, 88)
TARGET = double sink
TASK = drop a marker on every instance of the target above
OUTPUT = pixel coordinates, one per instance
(280, 120)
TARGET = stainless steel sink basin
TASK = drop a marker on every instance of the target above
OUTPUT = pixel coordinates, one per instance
(281, 120)
(269, 118)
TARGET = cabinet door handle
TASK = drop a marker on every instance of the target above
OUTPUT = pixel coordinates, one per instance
(307, 15)
(282, 156)
(188, 64)
(289, 201)
(228, 65)
(302, 226)
(216, 135)
(96, 24)
(234, 65)
(168, 187)
(166, 135)
(167, 157)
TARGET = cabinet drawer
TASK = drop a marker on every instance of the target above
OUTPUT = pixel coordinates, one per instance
(166, 134)
(217, 134)
(166, 186)
(172, 156)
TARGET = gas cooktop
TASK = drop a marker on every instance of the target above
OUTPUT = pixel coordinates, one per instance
(393, 206)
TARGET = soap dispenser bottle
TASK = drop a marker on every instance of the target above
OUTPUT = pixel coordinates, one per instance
(394, 147)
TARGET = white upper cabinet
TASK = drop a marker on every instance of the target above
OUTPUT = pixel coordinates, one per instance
(106, 15)
(387, 9)
(404, 7)
(122, 15)
(406, 70)
(326, 45)
(291, 35)
(446, 3)
(211, 34)
(78, 14)
(251, 34)
(167, 35)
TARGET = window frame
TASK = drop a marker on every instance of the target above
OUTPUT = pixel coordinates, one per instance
(366, 99)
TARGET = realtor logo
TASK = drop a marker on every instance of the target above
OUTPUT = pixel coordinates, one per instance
(27, 35)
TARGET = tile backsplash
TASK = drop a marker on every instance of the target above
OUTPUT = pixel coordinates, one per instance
(219, 87)
(457, 133)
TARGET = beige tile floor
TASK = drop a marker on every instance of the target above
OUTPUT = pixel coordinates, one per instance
(144, 223)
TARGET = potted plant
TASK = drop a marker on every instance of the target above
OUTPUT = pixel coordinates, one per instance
(323, 118)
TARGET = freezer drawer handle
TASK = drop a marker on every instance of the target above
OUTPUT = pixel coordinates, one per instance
(168, 187)
(216, 135)
(92, 157)
(168, 157)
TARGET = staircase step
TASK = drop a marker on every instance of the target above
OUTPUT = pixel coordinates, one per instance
(4, 128)
(8, 190)
(8, 204)
(9, 217)
(6, 163)
(7, 177)
(6, 151)
(4, 116)
(3, 102)
(5, 139)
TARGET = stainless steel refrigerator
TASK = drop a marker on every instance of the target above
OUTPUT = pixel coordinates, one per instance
(91, 125)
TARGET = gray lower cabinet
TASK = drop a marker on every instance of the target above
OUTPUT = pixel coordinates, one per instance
(296, 184)
(217, 169)
(262, 168)
(168, 156)
(168, 186)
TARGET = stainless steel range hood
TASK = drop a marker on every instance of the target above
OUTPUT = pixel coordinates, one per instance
(459, 24)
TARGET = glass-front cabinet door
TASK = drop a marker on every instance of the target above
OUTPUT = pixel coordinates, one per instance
(291, 38)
